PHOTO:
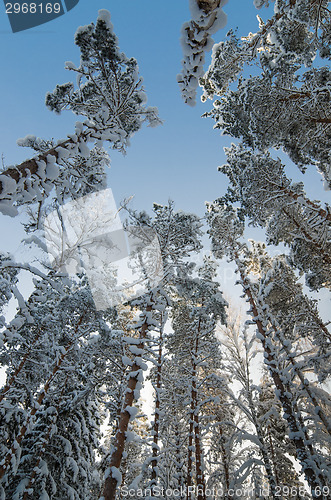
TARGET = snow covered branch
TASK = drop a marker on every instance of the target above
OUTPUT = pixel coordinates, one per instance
(207, 18)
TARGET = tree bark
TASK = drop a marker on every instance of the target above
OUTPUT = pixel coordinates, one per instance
(110, 485)
(225, 466)
(190, 453)
(201, 486)
(30, 167)
(157, 411)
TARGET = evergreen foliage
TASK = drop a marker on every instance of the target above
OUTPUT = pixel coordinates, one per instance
(234, 405)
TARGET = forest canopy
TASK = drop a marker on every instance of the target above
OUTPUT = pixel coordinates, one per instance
(128, 304)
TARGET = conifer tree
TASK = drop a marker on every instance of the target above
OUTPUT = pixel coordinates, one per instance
(269, 199)
(287, 104)
(240, 350)
(194, 344)
(277, 442)
(111, 98)
(75, 355)
(226, 231)
(172, 462)
(178, 234)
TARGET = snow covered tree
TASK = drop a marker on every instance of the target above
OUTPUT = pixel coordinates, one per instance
(240, 351)
(111, 98)
(178, 234)
(226, 231)
(275, 434)
(207, 18)
(72, 370)
(290, 310)
(195, 314)
(285, 106)
(158, 352)
(172, 462)
(53, 351)
(269, 199)
(8, 281)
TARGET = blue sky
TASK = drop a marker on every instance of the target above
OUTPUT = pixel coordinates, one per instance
(177, 160)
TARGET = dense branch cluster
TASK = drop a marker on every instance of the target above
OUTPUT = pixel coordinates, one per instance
(288, 104)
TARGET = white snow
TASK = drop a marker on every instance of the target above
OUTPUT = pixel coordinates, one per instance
(132, 411)
(104, 15)
(116, 474)
(69, 65)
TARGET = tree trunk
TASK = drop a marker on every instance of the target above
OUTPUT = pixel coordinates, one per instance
(179, 464)
(110, 485)
(201, 486)
(201, 492)
(157, 411)
(30, 167)
(190, 454)
(225, 464)
(272, 478)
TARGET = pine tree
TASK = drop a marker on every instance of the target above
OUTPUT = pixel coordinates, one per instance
(272, 201)
(195, 346)
(178, 234)
(109, 95)
(277, 442)
(286, 105)
(226, 230)
(240, 351)
(68, 358)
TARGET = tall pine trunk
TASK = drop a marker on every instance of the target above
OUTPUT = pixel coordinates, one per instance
(111, 481)
(200, 480)
(156, 422)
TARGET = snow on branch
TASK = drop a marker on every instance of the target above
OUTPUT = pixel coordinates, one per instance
(207, 18)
